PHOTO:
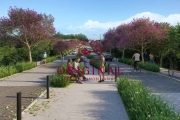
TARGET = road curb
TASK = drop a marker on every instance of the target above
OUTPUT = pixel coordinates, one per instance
(5, 78)
(34, 102)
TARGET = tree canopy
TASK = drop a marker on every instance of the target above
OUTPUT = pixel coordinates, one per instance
(27, 26)
(71, 36)
(136, 35)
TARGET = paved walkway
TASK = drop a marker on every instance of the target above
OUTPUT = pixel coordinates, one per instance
(90, 101)
(33, 77)
(157, 83)
(30, 83)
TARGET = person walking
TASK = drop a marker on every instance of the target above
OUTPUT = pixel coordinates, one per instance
(151, 58)
(145, 56)
(102, 68)
(136, 58)
(62, 55)
(44, 56)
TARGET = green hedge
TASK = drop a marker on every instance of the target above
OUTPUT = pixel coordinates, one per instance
(51, 59)
(146, 65)
(150, 66)
(126, 61)
(141, 105)
(59, 80)
(19, 67)
(89, 56)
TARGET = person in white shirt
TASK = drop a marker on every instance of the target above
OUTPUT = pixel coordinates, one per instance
(76, 64)
(136, 57)
(76, 68)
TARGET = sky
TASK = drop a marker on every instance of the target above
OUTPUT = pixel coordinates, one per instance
(93, 18)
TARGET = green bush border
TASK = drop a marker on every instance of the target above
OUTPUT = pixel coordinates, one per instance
(147, 66)
(20, 67)
(140, 104)
(12, 69)
(59, 80)
(51, 59)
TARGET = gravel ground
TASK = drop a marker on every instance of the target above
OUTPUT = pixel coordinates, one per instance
(8, 99)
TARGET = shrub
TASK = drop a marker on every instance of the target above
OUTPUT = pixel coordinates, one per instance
(51, 59)
(126, 61)
(20, 67)
(7, 70)
(90, 56)
(141, 105)
(59, 80)
(8, 55)
(40, 49)
(150, 66)
(12, 69)
(146, 65)
(24, 66)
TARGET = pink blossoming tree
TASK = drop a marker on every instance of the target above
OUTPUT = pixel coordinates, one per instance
(143, 32)
(27, 27)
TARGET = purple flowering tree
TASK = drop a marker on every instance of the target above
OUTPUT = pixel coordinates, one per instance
(63, 46)
(109, 41)
(27, 27)
(143, 32)
(122, 37)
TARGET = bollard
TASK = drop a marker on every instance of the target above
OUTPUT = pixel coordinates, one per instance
(108, 66)
(115, 73)
(47, 87)
(19, 106)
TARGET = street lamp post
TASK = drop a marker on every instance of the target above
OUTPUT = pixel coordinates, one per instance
(98, 37)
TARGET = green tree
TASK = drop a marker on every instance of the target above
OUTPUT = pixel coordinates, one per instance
(174, 46)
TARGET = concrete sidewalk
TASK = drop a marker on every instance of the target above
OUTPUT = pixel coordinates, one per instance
(165, 72)
(88, 101)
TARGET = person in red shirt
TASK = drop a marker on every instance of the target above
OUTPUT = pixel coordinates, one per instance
(71, 71)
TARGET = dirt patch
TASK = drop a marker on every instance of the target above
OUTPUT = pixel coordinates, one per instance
(8, 99)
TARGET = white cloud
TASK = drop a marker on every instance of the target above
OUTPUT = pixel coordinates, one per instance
(91, 25)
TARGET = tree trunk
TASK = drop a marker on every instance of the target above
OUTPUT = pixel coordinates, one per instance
(123, 53)
(171, 64)
(160, 61)
(175, 64)
(30, 54)
(142, 53)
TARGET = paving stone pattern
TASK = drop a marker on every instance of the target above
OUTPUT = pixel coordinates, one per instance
(159, 84)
